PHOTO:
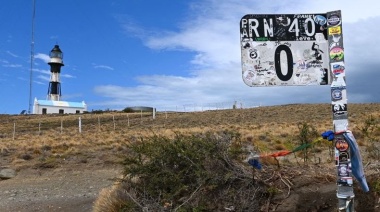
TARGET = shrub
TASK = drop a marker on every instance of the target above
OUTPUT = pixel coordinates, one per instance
(307, 133)
(185, 173)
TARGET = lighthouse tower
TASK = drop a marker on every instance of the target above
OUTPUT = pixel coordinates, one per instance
(54, 91)
(53, 104)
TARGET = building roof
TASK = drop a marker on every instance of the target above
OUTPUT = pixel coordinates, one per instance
(61, 103)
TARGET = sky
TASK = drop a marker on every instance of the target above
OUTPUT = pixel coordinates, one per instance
(171, 55)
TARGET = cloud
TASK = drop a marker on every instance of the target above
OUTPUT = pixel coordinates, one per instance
(11, 54)
(43, 77)
(9, 38)
(67, 76)
(47, 72)
(22, 78)
(103, 67)
(211, 37)
(7, 64)
(54, 37)
(211, 34)
(43, 57)
(12, 65)
(4, 61)
(38, 82)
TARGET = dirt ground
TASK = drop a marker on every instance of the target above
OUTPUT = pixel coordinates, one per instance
(69, 189)
(310, 194)
(75, 188)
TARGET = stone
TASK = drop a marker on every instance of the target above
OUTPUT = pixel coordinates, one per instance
(7, 174)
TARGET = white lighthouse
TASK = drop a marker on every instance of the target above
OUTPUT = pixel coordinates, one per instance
(53, 103)
(54, 91)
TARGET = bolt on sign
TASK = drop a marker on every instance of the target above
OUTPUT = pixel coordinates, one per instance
(296, 50)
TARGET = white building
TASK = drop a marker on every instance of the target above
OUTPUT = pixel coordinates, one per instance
(60, 107)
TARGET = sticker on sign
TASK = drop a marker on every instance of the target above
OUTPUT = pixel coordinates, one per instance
(287, 49)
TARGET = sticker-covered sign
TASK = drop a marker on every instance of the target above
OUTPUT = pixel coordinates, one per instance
(290, 49)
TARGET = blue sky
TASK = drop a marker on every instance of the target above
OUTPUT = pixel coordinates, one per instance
(172, 55)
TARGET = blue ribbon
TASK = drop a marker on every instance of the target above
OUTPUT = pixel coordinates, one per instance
(356, 159)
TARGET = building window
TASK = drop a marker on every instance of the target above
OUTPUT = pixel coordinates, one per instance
(61, 111)
(44, 110)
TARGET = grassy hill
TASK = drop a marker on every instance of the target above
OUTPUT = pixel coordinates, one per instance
(103, 139)
(25, 139)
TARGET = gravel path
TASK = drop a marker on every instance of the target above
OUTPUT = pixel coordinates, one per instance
(62, 189)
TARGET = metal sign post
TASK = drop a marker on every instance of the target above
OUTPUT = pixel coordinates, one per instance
(345, 191)
(297, 50)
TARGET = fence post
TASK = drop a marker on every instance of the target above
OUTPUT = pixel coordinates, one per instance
(99, 122)
(80, 125)
(114, 124)
(14, 130)
(61, 126)
(128, 119)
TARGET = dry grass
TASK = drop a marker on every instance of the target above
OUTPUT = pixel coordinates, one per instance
(112, 199)
(55, 139)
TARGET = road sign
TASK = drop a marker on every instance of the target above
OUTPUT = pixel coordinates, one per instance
(285, 50)
(303, 49)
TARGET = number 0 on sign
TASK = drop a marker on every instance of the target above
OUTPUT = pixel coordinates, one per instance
(280, 50)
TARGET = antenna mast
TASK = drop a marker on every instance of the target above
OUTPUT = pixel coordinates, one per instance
(32, 56)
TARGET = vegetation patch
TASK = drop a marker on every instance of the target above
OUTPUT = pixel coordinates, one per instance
(187, 173)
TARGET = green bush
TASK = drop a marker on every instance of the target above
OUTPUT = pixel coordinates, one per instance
(307, 134)
(188, 173)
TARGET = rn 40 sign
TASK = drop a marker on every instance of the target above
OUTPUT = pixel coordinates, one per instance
(285, 50)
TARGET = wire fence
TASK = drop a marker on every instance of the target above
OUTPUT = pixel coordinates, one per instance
(13, 127)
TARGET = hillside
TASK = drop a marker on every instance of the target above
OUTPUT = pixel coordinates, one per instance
(56, 142)
(20, 134)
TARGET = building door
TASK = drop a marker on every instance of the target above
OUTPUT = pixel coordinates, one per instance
(44, 110)
(61, 111)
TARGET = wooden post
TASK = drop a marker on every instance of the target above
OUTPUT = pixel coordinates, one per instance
(80, 125)
(14, 130)
(114, 124)
(98, 123)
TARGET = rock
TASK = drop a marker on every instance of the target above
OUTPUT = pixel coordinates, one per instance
(7, 174)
